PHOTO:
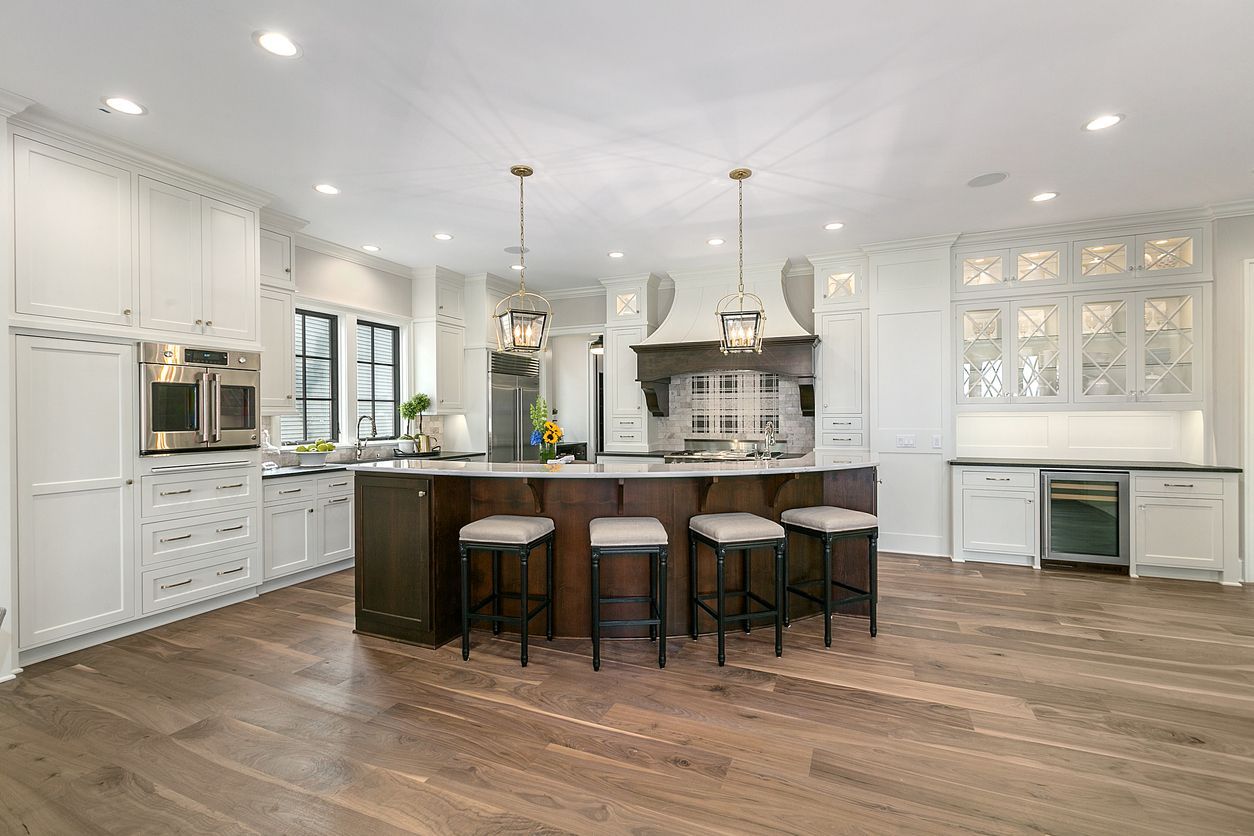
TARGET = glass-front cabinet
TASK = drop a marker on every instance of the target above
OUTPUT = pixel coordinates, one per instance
(1169, 253)
(1045, 264)
(1147, 256)
(1012, 352)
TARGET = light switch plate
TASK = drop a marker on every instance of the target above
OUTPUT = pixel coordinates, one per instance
(905, 440)
(936, 439)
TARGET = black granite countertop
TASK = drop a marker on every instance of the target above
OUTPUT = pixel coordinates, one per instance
(332, 467)
(1060, 464)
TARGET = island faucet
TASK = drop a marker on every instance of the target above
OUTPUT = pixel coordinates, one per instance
(374, 433)
(770, 437)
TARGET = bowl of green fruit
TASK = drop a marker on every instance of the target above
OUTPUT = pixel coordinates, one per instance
(314, 455)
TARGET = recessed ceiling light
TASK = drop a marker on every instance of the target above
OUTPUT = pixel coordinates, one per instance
(515, 267)
(990, 179)
(276, 43)
(833, 226)
(124, 105)
(1101, 123)
(615, 254)
(370, 248)
(326, 188)
(1044, 196)
(442, 236)
(715, 242)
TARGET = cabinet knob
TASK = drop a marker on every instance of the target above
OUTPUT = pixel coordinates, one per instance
(198, 322)
(311, 510)
(130, 481)
(208, 322)
(289, 397)
(287, 269)
(126, 312)
(422, 493)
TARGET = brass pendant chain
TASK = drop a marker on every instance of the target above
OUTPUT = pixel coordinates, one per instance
(522, 241)
(740, 189)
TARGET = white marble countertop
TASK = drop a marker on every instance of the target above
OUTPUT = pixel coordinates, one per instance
(611, 470)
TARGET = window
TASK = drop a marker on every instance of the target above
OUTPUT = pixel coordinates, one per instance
(317, 390)
(379, 376)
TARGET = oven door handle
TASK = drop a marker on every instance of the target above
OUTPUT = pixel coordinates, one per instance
(217, 407)
(203, 385)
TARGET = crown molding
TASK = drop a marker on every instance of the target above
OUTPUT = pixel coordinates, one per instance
(589, 330)
(575, 293)
(1093, 226)
(654, 279)
(12, 104)
(925, 243)
(491, 281)
(132, 155)
(438, 273)
(843, 257)
(272, 218)
(318, 245)
(1233, 209)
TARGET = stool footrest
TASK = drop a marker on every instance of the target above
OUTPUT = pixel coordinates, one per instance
(627, 599)
(739, 593)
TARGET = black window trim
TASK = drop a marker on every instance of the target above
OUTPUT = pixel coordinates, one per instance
(396, 374)
(301, 399)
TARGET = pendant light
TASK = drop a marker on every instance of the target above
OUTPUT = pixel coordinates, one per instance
(521, 319)
(741, 316)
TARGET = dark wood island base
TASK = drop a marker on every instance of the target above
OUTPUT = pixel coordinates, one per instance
(407, 524)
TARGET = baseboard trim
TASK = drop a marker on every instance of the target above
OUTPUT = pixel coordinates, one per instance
(305, 575)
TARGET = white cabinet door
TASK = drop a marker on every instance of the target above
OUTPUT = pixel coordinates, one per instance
(1172, 253)
(335, 518)
(275, 258)
(73, 236)
(229, 274)
(1180, 532)
(1103, 348)
(840, 363)
(278, 361)
(984, 375)
(1000, 522)
(625, 395)
(449, 300)
(983, 270)
(1037, 342)
(450, 350)
(169, 258)
(75, 487)
(291, 542)
(1104, 259)
(1170, 349)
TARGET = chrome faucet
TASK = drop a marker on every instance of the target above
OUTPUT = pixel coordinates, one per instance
(770, 438)
(361, 443)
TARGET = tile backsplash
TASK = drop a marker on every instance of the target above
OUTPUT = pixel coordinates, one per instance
(717, 405)
(432, 425)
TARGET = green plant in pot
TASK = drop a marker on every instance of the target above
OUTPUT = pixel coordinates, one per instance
(411, 409)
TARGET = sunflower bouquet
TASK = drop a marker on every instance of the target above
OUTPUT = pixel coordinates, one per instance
(545, 433)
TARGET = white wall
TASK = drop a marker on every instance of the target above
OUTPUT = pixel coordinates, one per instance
(1234, 242)
(351, 285)
(1152, 436)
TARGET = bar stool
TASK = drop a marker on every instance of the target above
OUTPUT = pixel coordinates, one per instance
(829, 524)
(732, 532)
(637, 536)
(514, 535)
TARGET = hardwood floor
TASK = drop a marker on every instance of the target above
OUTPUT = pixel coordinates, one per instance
(994, 700)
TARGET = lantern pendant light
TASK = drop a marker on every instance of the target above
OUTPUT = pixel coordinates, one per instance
(521, 320)
(741, 316)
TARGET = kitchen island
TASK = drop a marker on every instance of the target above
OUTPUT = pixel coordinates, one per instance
(409, 513)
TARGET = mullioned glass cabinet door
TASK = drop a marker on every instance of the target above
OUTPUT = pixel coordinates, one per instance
(1039, 338)
(1170, 354)
(982, 348)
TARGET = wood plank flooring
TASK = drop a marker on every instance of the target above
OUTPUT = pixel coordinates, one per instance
(995, 700)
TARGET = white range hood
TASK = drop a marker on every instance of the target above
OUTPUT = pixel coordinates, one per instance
(691, 317)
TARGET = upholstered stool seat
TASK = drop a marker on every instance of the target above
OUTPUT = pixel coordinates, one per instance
(637, 537)
(509, 534)
(829, 524)
(736, 532)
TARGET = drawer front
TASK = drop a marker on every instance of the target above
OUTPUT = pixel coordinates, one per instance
(165, 588)
(626, 422)
(171, 493)
(626, 436)
(290, 489)
(1017, 478)
(1184, 484)
(334, 483)
(842, 439)
(824, 459)
(842, 424)
(188, 538)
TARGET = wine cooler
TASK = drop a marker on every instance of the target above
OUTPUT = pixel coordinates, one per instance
(1086, 516)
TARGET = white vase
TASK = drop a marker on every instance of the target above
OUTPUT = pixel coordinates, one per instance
(407, 445)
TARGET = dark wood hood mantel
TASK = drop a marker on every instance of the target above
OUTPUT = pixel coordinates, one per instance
(788, 356)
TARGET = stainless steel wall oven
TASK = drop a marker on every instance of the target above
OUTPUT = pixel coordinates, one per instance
(197, 398)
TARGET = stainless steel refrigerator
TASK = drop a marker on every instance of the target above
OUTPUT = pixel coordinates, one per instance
(514, 385)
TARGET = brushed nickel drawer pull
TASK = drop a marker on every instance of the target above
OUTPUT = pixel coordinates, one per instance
(337, 484)
(341, 499)
(232, 528)
(292, 490)
(172, 585)
(231, 571)
(175, 493)
(228, 487)
(1176, 485)
(996, 478)
(172, 539)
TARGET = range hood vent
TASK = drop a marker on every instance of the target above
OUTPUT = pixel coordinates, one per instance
(656, 364)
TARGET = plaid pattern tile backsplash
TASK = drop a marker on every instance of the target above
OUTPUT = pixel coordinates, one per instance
(735, 405)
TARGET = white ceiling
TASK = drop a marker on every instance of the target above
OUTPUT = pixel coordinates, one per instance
(871, 113)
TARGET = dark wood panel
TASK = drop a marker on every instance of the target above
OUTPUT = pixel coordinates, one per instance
(393, 565)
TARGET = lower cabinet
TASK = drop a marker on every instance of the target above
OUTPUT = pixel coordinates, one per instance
(307, 522)
(291, 542)
(335, 528)
(1000, 522)
(1184, 533)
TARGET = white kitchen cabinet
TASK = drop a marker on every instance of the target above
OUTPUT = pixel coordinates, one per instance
(169, 258)
(624, 394)
(335, 528)
(982, 269)
(1039, 265)
(1012, 351)
(839, 283)
(842, 358)
(439, 360)
(999, 521)
(1172, 253)
(73, 236)
(229, 278)
(275, 257)
(278, 364)
(75, 404)
(1179, 532)
(291, 538)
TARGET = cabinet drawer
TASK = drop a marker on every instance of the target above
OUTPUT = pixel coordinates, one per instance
(626, 422)
(172, 587)
(334, 483)
(290, 489)
(1020, 478)
(1185, 484)
(626, 436)
(172, 493)
(187, 538)
(842, 439)
(842, 423)
(823, 459)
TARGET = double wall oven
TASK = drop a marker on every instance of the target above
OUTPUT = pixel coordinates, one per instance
(197, 398)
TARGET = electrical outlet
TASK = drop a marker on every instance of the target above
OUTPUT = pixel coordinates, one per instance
(905, 440)
(936, 441)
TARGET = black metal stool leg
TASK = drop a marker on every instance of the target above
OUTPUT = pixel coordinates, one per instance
(661, 607)
(827, 591)
(693, 584)
(496, 590)
(548, 589)
(721, 555)
(781, 594)
(748, 568)
(465, 603)
(653, 561)
(875, 583)
(787, 580)
(522, 572)
(596, 609)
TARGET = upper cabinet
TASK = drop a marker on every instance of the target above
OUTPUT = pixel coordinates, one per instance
(98, 243)
(1012, 352)
(73, 244)
(276, 253)
(839, 283)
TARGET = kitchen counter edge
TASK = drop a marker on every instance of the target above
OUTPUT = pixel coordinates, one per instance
(1058, 464)
(335, 467)
(581, 470)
